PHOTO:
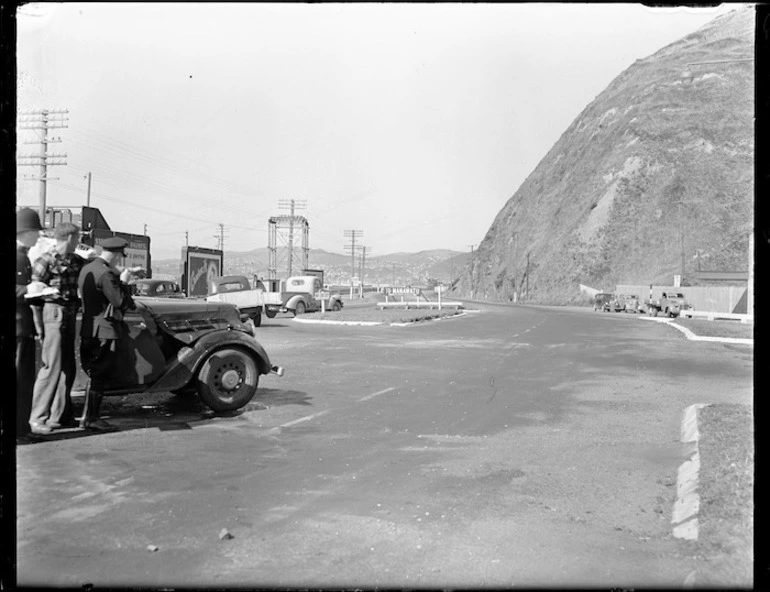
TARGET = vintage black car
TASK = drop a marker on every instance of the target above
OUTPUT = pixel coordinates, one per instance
(156, 288)
(607, 302)
(186, 346)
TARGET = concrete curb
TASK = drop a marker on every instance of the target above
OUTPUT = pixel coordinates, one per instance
(693, 337)
(684, 515)
(373, 323)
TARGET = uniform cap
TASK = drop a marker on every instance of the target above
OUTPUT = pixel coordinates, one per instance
(26, 220)
(115, 244)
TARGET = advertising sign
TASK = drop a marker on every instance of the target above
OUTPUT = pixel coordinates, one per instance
(201, 266)
(137, 251)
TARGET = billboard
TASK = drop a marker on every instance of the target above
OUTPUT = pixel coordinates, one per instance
(137, 251)
(199, 267)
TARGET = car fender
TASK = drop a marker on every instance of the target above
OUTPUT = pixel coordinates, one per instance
(189, 359)
(291, 303)
(334, 299)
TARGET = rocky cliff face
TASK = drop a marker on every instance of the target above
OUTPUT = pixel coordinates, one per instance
(661, 163)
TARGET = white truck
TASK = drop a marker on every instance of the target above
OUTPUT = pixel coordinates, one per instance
(304, 293)
(251, 302)
(297, 295)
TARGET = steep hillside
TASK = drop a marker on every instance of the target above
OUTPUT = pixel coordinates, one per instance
(661, 163)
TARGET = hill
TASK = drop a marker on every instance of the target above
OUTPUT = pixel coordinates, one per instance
(400, 268)
(655, 175)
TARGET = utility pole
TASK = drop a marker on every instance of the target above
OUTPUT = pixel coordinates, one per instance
(186, 239)
(145, 230)
(221, 244)
(292, 204)
(352, 234)
(43, 120)
(473, 289)
(363, 268)
(88, 195)
(527, 275)
(394, 275)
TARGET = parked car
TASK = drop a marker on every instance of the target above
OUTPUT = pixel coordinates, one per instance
(629, 302)
(605, 301)
(155, 288)
(189, 346)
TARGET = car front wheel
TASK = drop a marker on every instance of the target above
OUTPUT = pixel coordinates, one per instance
(270, 313)
(337, 306)
(299, 309)
(228, 379)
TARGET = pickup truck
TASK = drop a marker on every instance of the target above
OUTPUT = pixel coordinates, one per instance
(669, 304)
(301, 294)
(251, 302)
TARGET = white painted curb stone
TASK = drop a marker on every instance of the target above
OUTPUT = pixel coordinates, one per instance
(684, 515)
(693, 337)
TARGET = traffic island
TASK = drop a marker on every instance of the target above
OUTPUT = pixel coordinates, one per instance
(374, 316)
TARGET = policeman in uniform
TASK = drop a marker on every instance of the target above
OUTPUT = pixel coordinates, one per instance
(106, 296)
(28, 229)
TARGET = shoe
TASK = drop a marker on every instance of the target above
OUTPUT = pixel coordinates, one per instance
(28, 439)
(56, 425)
(40, 428)
(97, 424)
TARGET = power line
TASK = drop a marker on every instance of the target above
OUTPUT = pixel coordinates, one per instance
(44, 120)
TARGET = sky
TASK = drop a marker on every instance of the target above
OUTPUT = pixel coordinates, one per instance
(412, 124)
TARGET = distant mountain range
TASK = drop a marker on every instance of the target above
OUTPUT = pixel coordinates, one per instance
(442, 265)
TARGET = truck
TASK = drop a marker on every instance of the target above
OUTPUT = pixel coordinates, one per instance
(251, 302)
(669, 304)
(304, 293)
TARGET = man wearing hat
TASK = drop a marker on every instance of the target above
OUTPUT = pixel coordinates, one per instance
(106, 297)
(27, 232)
(56, 313)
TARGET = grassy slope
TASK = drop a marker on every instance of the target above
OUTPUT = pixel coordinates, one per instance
(726, 488)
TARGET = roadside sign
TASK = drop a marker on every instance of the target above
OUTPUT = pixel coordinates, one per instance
(322, 295)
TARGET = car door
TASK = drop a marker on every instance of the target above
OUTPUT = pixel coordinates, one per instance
(141, 361)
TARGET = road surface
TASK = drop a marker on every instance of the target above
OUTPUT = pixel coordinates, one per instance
(515, 446)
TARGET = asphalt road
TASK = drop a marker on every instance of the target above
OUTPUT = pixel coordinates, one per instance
(516, 446)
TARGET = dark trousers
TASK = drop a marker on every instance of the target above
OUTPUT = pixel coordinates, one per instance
(25, 382)
(52, 400)
(98, 357)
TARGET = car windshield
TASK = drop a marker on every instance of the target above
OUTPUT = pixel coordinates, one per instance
(231, 287)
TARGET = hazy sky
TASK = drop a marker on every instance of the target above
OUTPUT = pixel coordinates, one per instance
(412, 123)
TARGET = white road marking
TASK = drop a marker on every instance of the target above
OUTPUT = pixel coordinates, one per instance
(320, 413)
(377, 394)
(302, 419)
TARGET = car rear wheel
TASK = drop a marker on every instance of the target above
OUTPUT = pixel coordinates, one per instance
(270, 314)
(653, 312)
(228, 379)
(257, 318)
(299, 309)
(337, 306)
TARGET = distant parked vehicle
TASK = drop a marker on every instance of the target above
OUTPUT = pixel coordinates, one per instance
(605, 301)
(154, 288)
(669, 304)
(630, 302)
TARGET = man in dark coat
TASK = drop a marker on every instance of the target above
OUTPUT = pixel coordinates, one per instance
(106, 296)
(27, 232)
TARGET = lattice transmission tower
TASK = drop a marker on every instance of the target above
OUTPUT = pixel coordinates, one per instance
(281, 236)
